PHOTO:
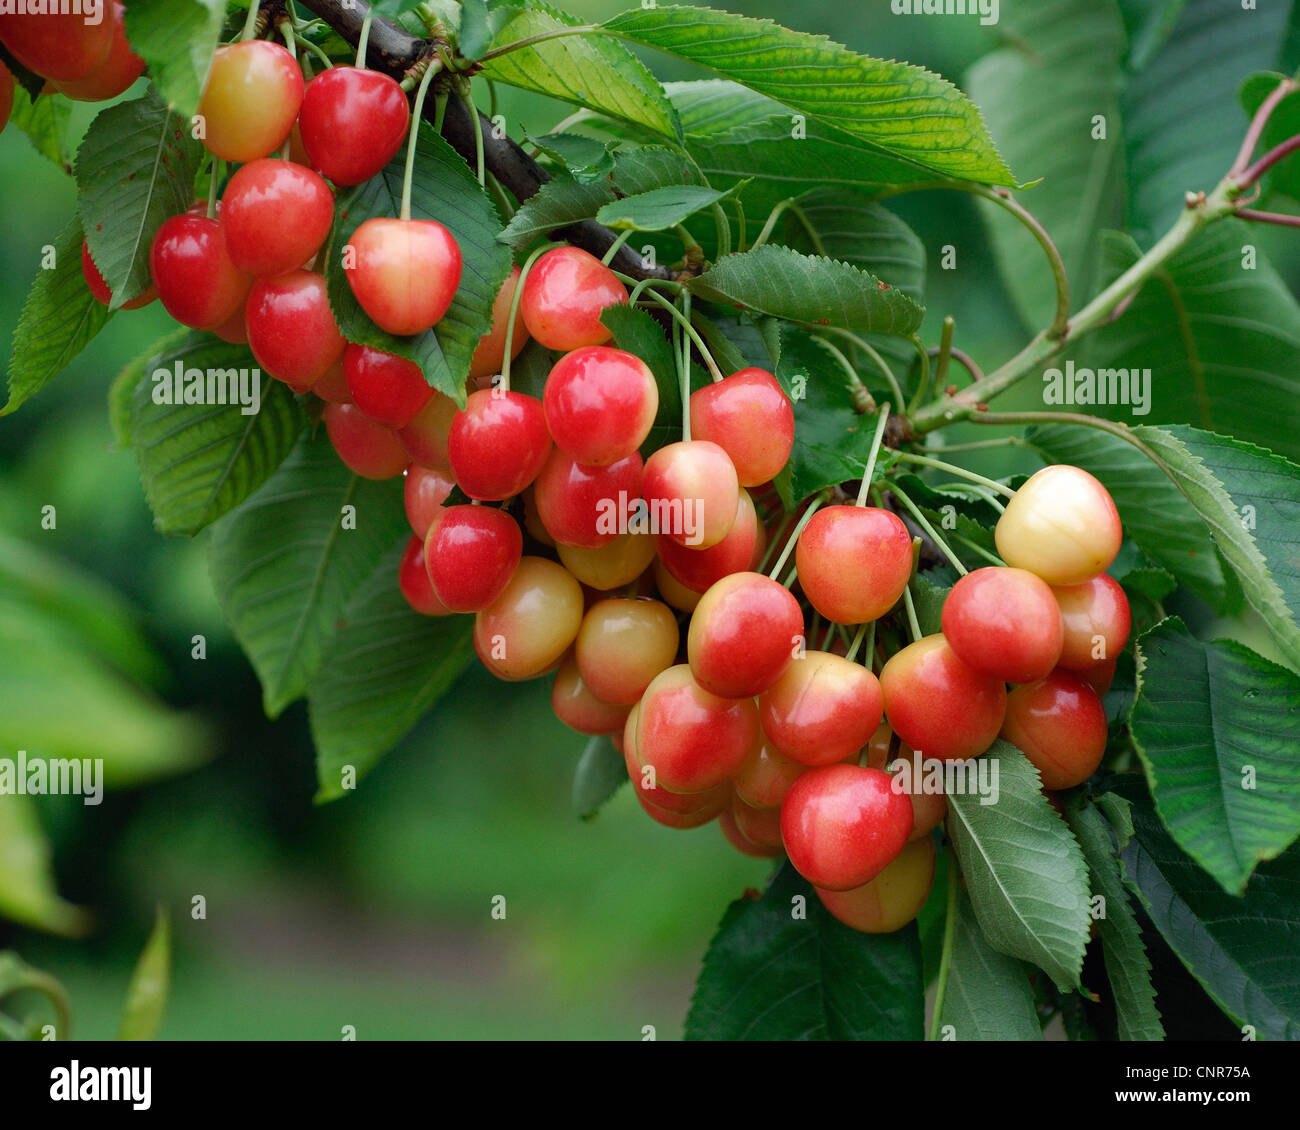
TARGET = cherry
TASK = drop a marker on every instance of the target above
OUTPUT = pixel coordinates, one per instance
(1097, 620)
(937, 704)
(694, 740)
(854, 562)
(707, 812)
(928, 808)
(843, 825)
(1100, 678)
(6, 95)
(99, 288)
(766, 777)
(1060, 725)
(413, 580)
(745, 632)
(655, 799)
(471, 553)
(582, 505)
(60, 46)
(275, 216)
(250, 100)
(624, 645)
(893, 898)
(533, 522)
(390, 390)
(353, 121)
(498, 444)
(741, 549)
(424, 492)
(119, 69)
(235, 329)
(1062, 524)
(759, 826)
(333, 386)
(197, 283)
(600, 404)
(579, 709)
(822, 710)
(291, 330)
(564, 294)
(673, 591)
(490, 352)
(425, 437)
(750, 417)
(1004, 623)
(526, 630)
(365, 448)
(692, 492)
(610, 566)
(404, 273)
(730, 828)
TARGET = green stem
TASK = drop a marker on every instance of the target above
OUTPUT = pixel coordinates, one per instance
(776, 540)
(409, 176)
(875, 356)
(858, 639)
(977, 445)
(953, 469)
(949, 933)
(813, 507)
(644, 284)
(214, 183)
(863, 401)
(608, 257)
(930, 531)
(913, 624)
(723, 226)
(945, 352)
(923, 384)
(870, 470)
(529, 41)
(789, 205)
(363, 40)
(439, 110)
(514, 312)
(709, 362)
(991, 558)
(686, 366)
(466, 88)
(250, 21)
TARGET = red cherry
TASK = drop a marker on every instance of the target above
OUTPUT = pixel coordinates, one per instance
(275, 217)
(578, 708)
(425, 437)
(564, 294)
(424, 491)
(490, 352)
(99, 288)
(498, 444)
(413, 580)
(766, 776)
(390, 390)
(822, 710)
(1062, 524)
(333, 386)
(1100, 678)
(527, 629)
(120, 68)
(197, 283)
(744, 634)
(623, 645)
(367, 449)
(353, 121)
(1004, 623)
(250, 99)
(291, 330)
(750, 417)
(600, 404)
(235, 328)
(893, 898)
(737, 839)
(583, 506)
(692, 491)
(843, 825)
(1097, 621)
(854, 562)
(471, 553)
(58, 45)
(1060, 725)
(758, 826)
(700, 569)
(6, 95)
(404, 273)
(657, 800)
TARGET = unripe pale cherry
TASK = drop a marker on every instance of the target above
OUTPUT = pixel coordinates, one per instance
(413, 580)
(490, 353)
(100, 289)
(745, 632)
(1004, 623)
(700, 569)
(353, 121)
(1097, 621)
(365, 448)
(822, 710)
(610, 566)
(471, 553)
(197, 283)
(893, 898)
(564, 294)
(275, 215)
(58, 45)
(673, 591)
(118, 70)
(624, 645)
(389, 389)
(766, 777)
(843, 825)
(1060, 725)
(579, 709)
(423, 492)
(938, 705)
(425, 437)
(692, 492)
(600, 404)
(404, 273)
(291, 330)
(1062, 525)
(750, 417)
(498, 444)
(526, 630)
(250, 100)
(928, 808)
(585, 506)
(854, 562)
(737, 839)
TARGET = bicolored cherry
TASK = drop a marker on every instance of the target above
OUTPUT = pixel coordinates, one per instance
(250, 100)
(291, 329)
(196, 281)
(750, 417)
(1004, 623)
(1060, 725)
(624, 645)
(610, 566)
(758, 826)
(928, 808)
(575, 705)
(938, 705)
(700, 569)
(120, 68)
(766, 777)
(404, 273)
(1062, 525)
(745, 632)
(600, 404)
(737, 839)
(57, 44)
(843, 825)
(353, 122)
(99, 288)
(389, 389)
(526, 630)
(692, 490)
(424, 490)
(498, 444)
(1097, 621)
(471, 553)
(683, 810)
(275, 215)
(490, 353)
(587, 506)
(413, 580)
(822, 710)
(673, 591)
(893, 898)
(564, 294)
(365, 448)
(854, 562)
(425, 437)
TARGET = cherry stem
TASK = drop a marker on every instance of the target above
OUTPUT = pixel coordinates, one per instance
(960, 472)
(923, 385)
(363, 40)
(930, 531)
(776, 540)
(613, 247)
(1280, 218)
(789, 205)
(881, 424)
(978, 445)
(1266, 162)
(250, 21)
(863, 402)
(433, 68)
(945, 352)
(466, 89)
(871, 352)
(1257, 125)
(858, 640)
(991, 558)
(520, 44)
(949, 933)
(794, 537)
(914, 625)
(313, 49)
(213, 185)
(987, 495)
(709, 362)
(723, 227)
(638, 287)
(514, 312)
(684, 363)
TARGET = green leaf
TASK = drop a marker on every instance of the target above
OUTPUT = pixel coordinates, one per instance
(1061, 67)
(479, 25)
(135, 168)
(385, 666)
(583, 158)
(1239, 949)
(660, 209)
(176, 39)
(1024, 870)
(1149, 23)
(287, 563)
(444, 190)
(122, 391)
(28, 894)
(1215, 725)
(146, 996)
(601, 771)
(59, 317)
(45, 122)
(198, 461)
(988, 995)
(928, 599)
(809, 289)
(1283, 123)
(636, 332)
(1127, 965)
(769, 975)
(901, 110)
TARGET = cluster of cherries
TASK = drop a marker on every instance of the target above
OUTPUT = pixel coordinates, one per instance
(87, 62)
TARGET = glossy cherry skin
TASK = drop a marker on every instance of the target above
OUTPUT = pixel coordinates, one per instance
(99, 288)
(498, 444)
(6, 95)
(275, 215)
(404, 273)
(424, 491)
(700, 569)
(119, 69)
(425, 437)
(564, 294)
(333, 386)
(59, 46)
(938, 705)
(928, 808)
(471, 553)
(490, 352)
(610, 566)
(291, 330)
(579, 709)
(1060, 725)
(1062, 525)
(854, 562)
(822, 710)
(353, 122)
(413, 580)
(893, 898)
(674, 810)
(694, 740)
(624, 645)
(750, 417)
(766, 777)
(365, 448)
(692, 492)
(389, 389)
(744, 633)
(1097, 621)
(196, 281)
(251, 98)
(843, 825)
(600, 404)
(586, 506)
(526, 630)
(742, 843)
(1004, 623)
(758, 826)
